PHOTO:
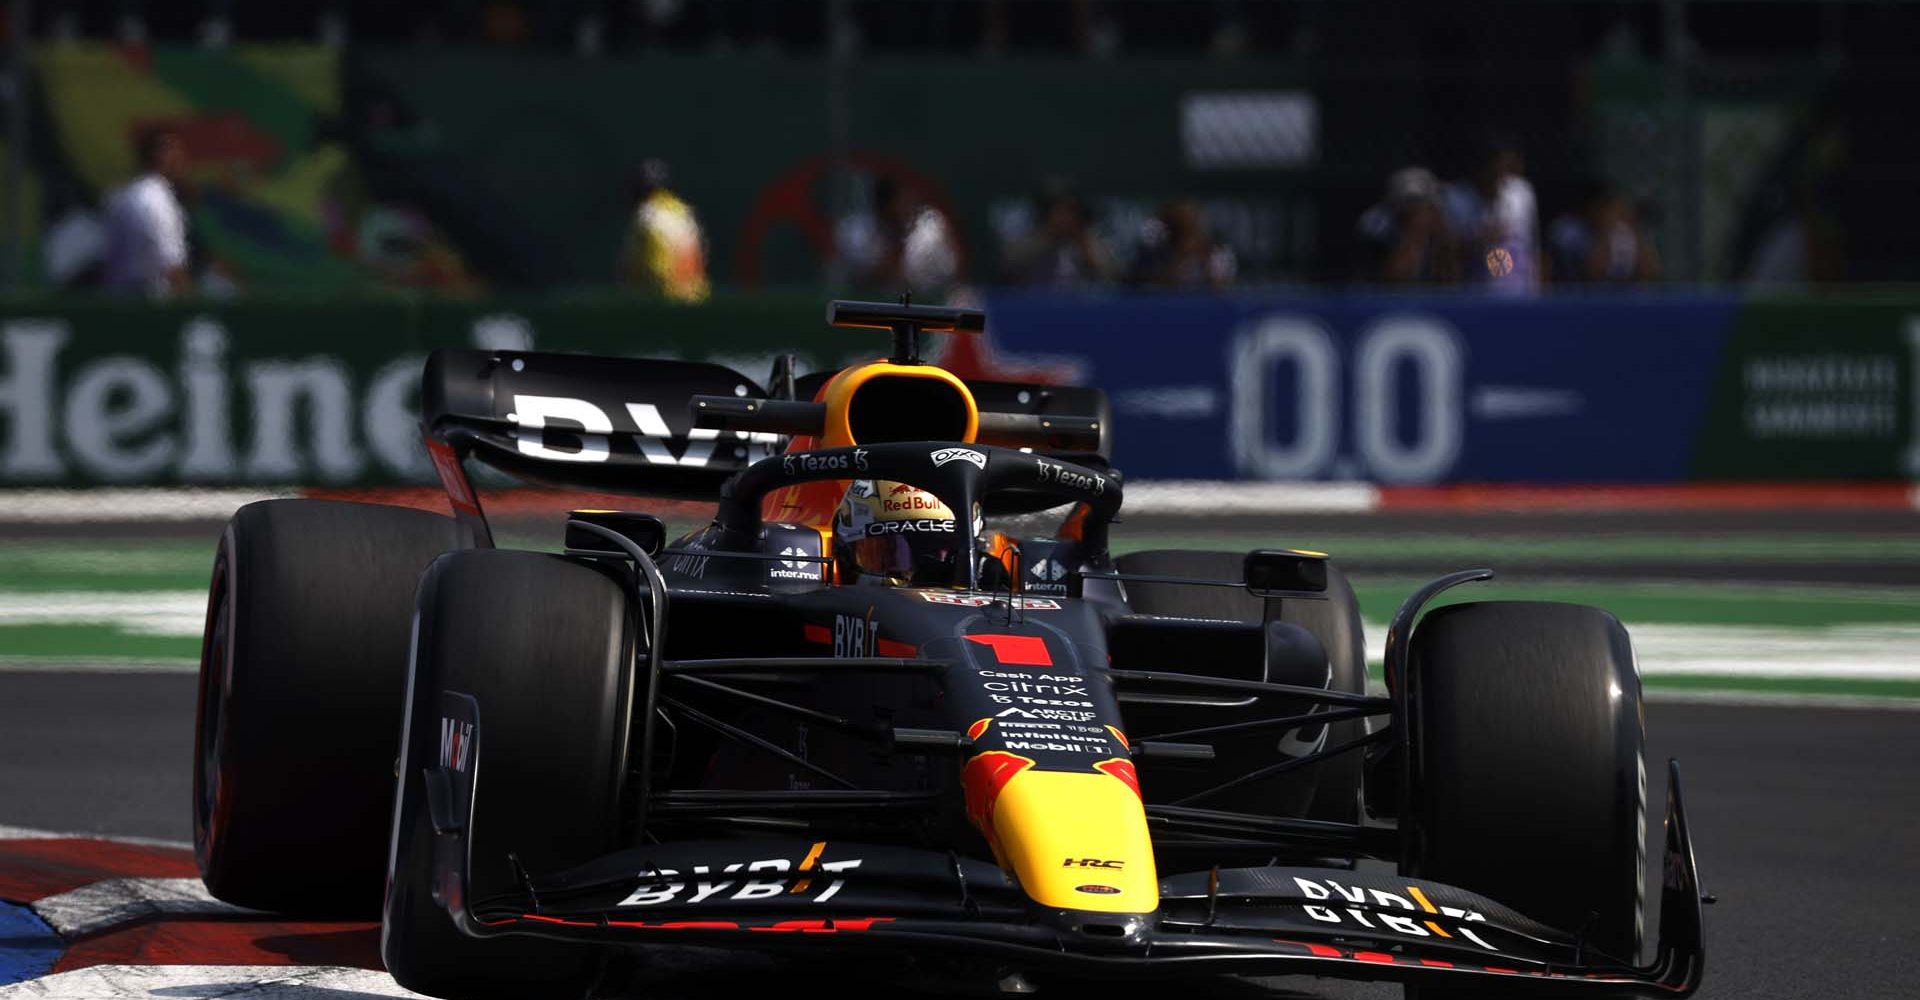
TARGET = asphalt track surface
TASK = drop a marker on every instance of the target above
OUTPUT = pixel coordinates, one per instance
(1807, 826)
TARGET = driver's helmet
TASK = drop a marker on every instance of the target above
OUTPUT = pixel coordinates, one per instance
(897, 533)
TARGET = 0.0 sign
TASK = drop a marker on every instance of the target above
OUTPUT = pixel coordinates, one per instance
(1301, 346)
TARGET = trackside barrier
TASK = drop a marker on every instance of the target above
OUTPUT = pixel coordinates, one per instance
(1358, 401)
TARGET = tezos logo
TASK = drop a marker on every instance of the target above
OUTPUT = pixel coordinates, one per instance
(945, 455)
(855, 460)
(1053, 472)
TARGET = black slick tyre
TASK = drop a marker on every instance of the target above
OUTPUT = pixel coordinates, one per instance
(1529, 780)
(1335, 622)
(302, 671)
(541, 643)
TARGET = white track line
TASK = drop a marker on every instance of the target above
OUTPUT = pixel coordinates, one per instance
(143, 612)
(208, 982)
(96, 665)
(1830, 652)
(32, 833)
(1176, 496)
(1779, 699)
(1168, 496)
(157, 504)
(114, 902)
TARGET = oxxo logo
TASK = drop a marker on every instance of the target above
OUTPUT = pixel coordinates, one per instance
(1092, 863)
(968, 455)
(1053, 472)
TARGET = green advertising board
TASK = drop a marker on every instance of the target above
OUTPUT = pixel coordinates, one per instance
(315, 392)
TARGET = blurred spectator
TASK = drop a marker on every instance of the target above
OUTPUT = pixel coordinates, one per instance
(1177, 251)
(900, 242)
(1405, 238)
(72, 250)
(665, 251)
(1793, 234)
(1061, 250)
(1494, 218)
(1801, 248)
(1603, 243)
(146, 230)
(404, 247)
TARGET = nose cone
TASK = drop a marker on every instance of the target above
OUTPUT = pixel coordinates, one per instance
(1077, 841)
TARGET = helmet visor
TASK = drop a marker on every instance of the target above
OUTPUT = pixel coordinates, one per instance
(913, 560)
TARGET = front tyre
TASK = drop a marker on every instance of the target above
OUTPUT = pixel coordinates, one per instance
(541, 643)
(1530, 780)
(302, 669)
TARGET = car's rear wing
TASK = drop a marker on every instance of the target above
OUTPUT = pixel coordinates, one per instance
(585, 422)
(674, 429)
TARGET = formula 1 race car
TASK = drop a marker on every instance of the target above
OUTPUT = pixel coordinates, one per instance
(870, 705)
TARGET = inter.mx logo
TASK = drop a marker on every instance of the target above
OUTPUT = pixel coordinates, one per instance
(456, 744)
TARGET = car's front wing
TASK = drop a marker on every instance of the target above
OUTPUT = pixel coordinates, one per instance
(1268, 921)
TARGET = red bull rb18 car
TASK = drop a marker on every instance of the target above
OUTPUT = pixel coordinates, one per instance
(900, 694)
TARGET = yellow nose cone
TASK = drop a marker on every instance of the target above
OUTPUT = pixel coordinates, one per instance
(1077, 840)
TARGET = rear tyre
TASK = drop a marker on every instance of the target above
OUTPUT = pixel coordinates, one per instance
(1530, 784)
(1334, 621)
(542, 644)
(302, 671)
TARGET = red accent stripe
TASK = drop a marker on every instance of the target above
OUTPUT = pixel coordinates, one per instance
(1495, 968)
(982, 780)
(889, 647)
(1688, 496)
(817, 633)
(1436, 963)
(1122, 769)
(230, 942)
(1373, 956)
(832, 926)
(1016, 650)
(34, 869)
(1325, 951)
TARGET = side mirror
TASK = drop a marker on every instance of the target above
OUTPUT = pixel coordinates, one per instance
(1287, 573)
(644, 530)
